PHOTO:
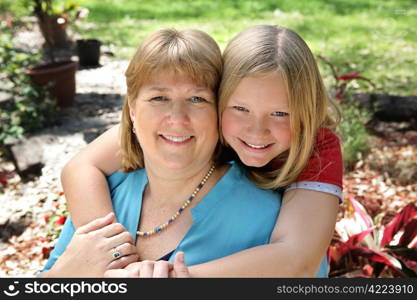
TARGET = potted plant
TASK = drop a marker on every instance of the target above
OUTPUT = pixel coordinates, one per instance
(53, 23)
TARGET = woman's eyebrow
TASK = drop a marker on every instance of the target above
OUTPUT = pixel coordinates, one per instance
(158, 89)
(165, 89)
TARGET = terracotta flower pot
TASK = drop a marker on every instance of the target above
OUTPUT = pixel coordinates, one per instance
(61, 75)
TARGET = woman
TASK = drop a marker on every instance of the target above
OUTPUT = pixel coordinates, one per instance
(169, 128)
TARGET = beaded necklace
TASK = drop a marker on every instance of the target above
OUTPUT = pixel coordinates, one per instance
(179, 211)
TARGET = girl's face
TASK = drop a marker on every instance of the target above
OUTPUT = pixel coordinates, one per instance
(255, 122)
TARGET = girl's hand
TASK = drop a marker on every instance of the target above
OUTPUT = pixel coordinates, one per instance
(153, 269)
(92, 248)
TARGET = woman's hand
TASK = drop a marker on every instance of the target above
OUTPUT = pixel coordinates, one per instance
(94, 249)
(153, 269)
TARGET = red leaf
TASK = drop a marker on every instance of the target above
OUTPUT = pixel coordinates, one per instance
(372, 255)
(398, 222)
(357, 238)
(403, 252)
(350, 76)
(410, 232)
(61, 220)
(46, 251)
(46, 218)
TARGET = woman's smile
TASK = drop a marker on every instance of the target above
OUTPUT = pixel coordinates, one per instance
(176, 140)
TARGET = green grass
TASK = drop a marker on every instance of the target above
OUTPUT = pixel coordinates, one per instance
(373, 37)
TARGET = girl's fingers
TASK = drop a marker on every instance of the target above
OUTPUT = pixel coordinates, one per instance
(117, 273)
(96, 224)
(146, 269)
(134, 268)
(161, 269)
(180, 268)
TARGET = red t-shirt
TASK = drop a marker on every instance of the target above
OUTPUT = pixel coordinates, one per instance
(325, 163)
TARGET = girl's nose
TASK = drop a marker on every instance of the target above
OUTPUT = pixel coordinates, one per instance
(258, 126)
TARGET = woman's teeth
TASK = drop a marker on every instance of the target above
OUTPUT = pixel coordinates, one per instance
(176, 139)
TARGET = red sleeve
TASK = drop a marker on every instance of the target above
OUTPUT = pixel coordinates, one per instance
(326, 163)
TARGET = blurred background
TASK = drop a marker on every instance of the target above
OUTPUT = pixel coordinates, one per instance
(366, 51)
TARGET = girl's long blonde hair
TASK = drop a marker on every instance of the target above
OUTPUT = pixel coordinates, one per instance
(190, 52)
(262, 50)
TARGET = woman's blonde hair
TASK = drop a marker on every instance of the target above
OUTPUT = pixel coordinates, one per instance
(262, 50)
(190, 52)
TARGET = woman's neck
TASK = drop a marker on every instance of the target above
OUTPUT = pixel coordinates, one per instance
(174, 187)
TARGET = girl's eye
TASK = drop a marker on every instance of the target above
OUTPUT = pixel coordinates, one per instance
(240, 108)
(196, 99)
(159, 99)
(280, 114)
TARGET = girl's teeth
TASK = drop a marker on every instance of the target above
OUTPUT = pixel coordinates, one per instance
(256, 147)
(177, 139)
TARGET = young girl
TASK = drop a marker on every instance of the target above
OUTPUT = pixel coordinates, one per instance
(273, 111)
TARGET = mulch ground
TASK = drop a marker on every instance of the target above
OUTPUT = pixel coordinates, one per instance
(384, 181)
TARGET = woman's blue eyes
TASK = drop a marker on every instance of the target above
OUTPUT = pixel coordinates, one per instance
(196, 99)
(159, 99)
(193, 99)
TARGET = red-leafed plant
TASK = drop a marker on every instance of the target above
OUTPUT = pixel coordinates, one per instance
(5, 175)
(342, 81)
(54, 223)
(363, 247)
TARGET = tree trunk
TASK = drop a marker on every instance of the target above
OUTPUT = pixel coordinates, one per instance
(54, 33)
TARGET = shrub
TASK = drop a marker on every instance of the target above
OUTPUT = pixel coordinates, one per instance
(353, 133)
(31, 107)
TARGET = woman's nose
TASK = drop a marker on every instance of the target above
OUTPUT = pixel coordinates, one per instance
(179, 112)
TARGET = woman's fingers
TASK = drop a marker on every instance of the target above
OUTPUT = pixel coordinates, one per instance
(161, 269)
(119, 239)
(180, 268)
(128, 254)
(96, 224)
(111, 230)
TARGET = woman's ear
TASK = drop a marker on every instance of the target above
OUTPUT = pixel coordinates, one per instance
(132, 111)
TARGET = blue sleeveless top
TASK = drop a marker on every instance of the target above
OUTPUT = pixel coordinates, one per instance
(235, 215)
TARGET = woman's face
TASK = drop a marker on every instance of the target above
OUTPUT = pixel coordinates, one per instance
(175, 122)
(255, 122)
